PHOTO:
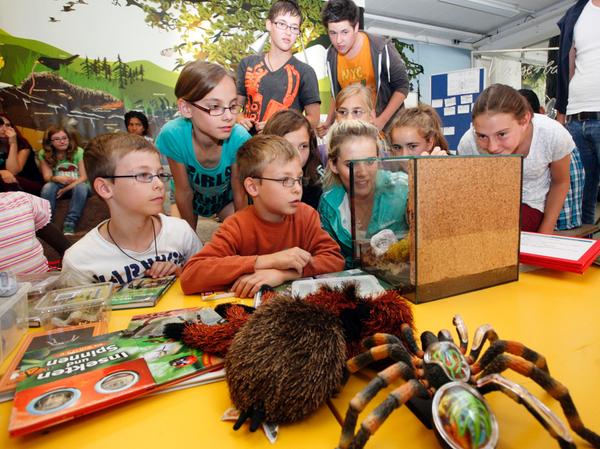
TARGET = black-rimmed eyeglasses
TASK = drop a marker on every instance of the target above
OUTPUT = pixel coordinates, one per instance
(288, 181)
(282, 26)
(143, 177)
(216, 110)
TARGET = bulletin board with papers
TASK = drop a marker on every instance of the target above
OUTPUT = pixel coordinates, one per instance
(452, 96)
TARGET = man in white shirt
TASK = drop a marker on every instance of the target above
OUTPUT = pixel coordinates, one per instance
(578, 91)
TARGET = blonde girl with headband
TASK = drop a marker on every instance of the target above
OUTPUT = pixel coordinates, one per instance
(379, 196)
(355, 102)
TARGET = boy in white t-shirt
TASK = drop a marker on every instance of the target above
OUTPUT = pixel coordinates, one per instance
(137, 240)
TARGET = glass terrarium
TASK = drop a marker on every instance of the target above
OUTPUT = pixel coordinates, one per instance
(434, 227)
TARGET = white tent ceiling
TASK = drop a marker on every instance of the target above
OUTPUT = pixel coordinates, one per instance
(474, 24)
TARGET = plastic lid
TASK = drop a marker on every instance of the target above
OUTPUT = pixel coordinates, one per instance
(40, 282)
(9, 301)
(367, 285)
(91, 295)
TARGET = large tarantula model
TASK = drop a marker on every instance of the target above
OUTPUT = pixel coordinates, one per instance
(287, 358)
(453, 383)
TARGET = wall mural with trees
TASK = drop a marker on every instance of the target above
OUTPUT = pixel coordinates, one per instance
(86, 62)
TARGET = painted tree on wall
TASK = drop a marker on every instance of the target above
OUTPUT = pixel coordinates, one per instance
(220, 30)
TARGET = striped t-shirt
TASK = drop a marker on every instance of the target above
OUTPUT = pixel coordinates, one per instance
(21, 214)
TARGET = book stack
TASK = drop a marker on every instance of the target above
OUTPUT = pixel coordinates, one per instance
(142, 292)
(83, 372)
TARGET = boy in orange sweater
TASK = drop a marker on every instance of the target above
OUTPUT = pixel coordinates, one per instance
(275, 240)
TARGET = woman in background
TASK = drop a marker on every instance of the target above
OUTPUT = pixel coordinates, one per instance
(136, 123)
(18, 170)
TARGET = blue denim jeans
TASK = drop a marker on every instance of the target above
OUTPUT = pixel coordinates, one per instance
(78, 194)
(586, 135)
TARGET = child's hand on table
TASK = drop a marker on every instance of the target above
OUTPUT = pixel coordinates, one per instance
(160, 269)
(288, 259)
(247, 285)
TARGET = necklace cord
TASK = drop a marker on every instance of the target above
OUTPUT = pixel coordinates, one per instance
(121, 249)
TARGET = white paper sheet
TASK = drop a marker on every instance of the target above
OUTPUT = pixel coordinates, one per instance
(568, 248)
(463, 82)
(448, 131)
(463, 108)
(450, 101)
(466, 99)
(450, 111)
(439, 103)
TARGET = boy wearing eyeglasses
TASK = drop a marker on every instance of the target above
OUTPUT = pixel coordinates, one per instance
(137, 240)
(359, 57)
(269, 82)
(275, 240)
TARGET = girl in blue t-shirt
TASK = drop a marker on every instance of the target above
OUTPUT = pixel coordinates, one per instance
(202, 144)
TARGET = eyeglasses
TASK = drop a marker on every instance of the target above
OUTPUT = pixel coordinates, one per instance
(355, 113)
(59, 139)
(216, 110)
(143, 177)
(282, 26)
(288, 181)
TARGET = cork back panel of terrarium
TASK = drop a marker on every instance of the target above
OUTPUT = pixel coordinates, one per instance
(467, 219)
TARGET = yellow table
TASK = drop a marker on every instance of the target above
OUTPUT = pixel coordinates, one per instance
(554, 313)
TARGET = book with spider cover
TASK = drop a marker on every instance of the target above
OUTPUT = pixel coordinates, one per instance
(32, 342)
(104, 370)
(143, 292)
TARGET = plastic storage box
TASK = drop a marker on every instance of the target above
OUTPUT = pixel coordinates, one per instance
(75, 305)
(13, 320)
(434, 227)
(41, 283)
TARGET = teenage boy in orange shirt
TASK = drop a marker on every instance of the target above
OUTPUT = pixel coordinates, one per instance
(360, 57)
(275, 240)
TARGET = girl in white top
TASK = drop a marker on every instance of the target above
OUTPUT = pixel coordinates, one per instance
(503, 123)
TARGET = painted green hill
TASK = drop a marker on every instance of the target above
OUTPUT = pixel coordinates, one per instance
(152, 72)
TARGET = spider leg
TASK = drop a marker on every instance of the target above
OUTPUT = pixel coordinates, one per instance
(427, 339)
(539, 410)
(483, 333)
(399, 370)
(395, 399)
(463, 333)
(512, 347)
(409, 339)
(256, 415)
(380, 339)
(445, 335)
(394, 351)
(557, 390)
